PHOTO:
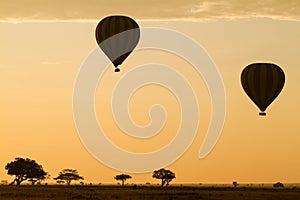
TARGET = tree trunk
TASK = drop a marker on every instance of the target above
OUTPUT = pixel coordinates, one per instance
(167, 183)
(123, 182)
(162, 182)
(18, 182)
(68, 182)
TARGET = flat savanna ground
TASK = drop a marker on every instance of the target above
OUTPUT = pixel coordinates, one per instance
(53, 192)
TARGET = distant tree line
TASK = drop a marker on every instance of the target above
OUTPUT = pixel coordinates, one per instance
(25, 169)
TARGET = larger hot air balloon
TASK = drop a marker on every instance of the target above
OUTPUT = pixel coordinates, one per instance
(117, 36)
(262, 82)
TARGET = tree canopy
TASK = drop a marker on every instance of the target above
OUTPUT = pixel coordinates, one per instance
(68, 175)
(25, 169)
(123, 178)
(165, 175)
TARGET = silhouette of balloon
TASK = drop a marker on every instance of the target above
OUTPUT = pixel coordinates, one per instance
(262, 82)
(117, 36)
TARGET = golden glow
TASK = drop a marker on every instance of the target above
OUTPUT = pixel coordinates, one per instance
(39, 63)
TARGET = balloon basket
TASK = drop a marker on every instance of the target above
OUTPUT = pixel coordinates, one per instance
(117, 70)
(262, 114)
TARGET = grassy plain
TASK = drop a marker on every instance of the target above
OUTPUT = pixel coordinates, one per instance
(58, 192)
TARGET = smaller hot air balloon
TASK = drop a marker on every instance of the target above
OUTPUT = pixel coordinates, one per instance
(117, 36)
(262, 82)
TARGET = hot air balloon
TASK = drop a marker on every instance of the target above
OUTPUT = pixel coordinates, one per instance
(262, 82)
(117, 36)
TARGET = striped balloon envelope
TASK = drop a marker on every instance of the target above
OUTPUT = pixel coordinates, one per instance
(117, 36)
(262, 82)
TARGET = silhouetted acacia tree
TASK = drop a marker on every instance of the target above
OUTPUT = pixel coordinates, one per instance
(25, 169)
(235, 184)
(68, 175)
(165, 175)
(278, 185)
(123, 178)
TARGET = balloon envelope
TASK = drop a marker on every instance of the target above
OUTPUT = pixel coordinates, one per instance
(117, 36)
(262, 82)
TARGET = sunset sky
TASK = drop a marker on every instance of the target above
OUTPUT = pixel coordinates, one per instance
(44, 43)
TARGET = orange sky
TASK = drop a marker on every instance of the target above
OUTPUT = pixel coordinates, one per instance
(39, 62)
